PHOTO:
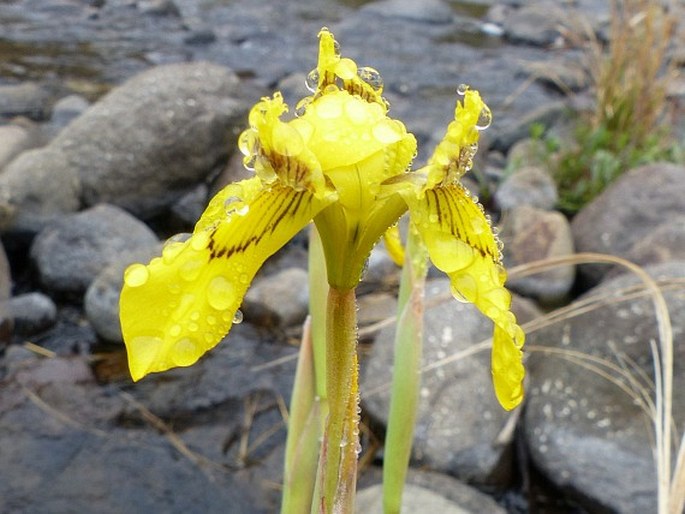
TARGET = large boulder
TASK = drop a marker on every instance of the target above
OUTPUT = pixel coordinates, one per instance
(627, 211)
(71, 252)
(459, 420)
(587, 419)
(141, 147)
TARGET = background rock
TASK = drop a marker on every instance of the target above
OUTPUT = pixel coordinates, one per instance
(627, 211)
(586, 434)
(32, 313)
(25, 99)
(529, 235)
(459, 419)
(280, 299)
(141, 147)
(14, 139)
(71, 252)
(527, 186)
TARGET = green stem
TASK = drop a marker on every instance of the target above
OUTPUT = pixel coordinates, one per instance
(301, 449)
(338, 460)
(406, 379)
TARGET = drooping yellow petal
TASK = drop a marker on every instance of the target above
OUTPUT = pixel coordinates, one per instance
(461, 243)
(183, 303)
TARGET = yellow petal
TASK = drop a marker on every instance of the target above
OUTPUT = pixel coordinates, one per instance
(461, 243)
(183, 303)
(393, 244)
(336, 73)
(454, 154)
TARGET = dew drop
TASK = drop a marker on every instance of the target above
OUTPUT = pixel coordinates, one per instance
(247, 143)
(220, 293)
(185, 352)
(211, 320)
(302, 105)
(199, 241)
(371, 77)
(386, 132)
(311, 82)
(462, 89)
(235, 205)
(433, 217)
(484, 119)
(346, 69)
(464, 288)
(249, 162)
(329, 107)
(136, 275)
(238, 317)
(193, 327)
(190, 270)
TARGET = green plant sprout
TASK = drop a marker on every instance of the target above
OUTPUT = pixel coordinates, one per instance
(342, 163)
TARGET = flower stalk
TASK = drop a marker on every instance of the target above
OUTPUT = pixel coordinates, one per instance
(406, 377)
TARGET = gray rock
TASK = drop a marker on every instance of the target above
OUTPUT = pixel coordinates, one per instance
(415, 499)
(68, 108)
(158, 7)
(627, 211)
(101, 301)
(527, 152)
(427, 11)
(72, 251)
(141, 147)
(35, 189)
(531, 186)
(534, 24)
(26, 99)
(587, 432)
(32, 313)
(70, 445)
(515, 129)
(459, 419)
(188, 209)
(531, 234)
(666, 242)
(14, 139)
(562, 74)
(280, 299)
(468, 498)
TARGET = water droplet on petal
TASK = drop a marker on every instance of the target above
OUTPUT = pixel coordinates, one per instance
(386, 131)
(175, 330)
(464, 288)
(346, 69)
(329, 107)
(371, 77)
(462, 89)
(220, 293)
(238, 317)
(302, 105)
(484, 119)
(136, 275)
(433, 217)
(185, 352)
(190, 270)
(235, 205)
(312, 80)
(247, 143)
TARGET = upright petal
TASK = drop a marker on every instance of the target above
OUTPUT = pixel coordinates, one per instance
(461, 243)
(183, 303)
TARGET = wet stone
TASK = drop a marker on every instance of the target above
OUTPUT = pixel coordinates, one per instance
(26, 99)
(71, 252)
(32, 313)
(531, 186)
(589, 437)
(280, 299)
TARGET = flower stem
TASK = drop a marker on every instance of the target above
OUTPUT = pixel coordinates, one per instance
(406, 376)
(338, 461)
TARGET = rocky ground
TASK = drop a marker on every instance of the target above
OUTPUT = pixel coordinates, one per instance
(119, 120)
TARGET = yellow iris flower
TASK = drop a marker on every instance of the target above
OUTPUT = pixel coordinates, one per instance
(343, 163)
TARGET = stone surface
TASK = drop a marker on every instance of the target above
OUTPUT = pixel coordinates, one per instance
(467, 498)
(536, 24)
(630, 209)
(529, 235)
(280, 299)
(26, 99)
(6, 317)
(427, 11)
(415, 499)
(101, 301)
(587, 432)
(67, 109)
(14, 139)
(70, 445)
(70, 253)
(529, 185)
(141, 147)
(504, 135)
(459, 419)
(666, 242)
(32, 313)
